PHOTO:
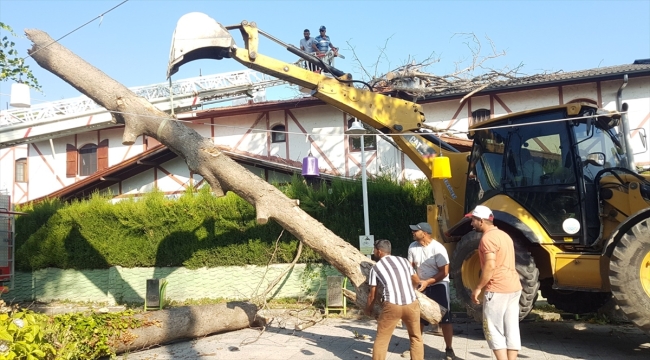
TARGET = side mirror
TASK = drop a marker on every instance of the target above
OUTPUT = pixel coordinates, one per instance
(590, 126)
(642, 136)
(596, 159)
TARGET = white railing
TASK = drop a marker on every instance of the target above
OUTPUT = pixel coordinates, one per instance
(60, 118)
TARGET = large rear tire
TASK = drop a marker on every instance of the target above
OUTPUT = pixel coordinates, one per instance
(529, 277)
(465, 269)
(629, 274)
(574, 302)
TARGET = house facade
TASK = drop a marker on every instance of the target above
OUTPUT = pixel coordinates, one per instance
(272, 138)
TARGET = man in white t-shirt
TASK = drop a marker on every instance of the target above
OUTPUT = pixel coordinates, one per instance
(431, 261)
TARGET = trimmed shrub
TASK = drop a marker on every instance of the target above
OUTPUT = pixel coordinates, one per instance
(201, 230)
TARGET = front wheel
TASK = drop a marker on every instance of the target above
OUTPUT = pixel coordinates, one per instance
(466, 271)
(629, 274)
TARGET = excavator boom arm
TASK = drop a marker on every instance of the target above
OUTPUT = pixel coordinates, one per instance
(387, 114)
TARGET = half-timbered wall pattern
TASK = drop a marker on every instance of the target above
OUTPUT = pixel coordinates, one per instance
(317, 129)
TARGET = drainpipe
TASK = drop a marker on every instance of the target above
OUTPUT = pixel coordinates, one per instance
(52, 147)
(625, 126)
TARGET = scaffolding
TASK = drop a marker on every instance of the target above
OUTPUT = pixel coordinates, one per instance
(7, 241)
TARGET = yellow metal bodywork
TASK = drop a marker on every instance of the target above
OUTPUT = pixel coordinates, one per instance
(578, 271)
(471, 271)
(644, 274)
(625, 201)
(571, 109)
(570, 270)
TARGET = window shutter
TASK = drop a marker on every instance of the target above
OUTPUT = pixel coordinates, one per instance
(102, 155)
(71, 161)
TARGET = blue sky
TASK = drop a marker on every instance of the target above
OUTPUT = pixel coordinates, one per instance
(131, 43)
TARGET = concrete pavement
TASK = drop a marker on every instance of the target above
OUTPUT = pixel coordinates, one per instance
(335, 338)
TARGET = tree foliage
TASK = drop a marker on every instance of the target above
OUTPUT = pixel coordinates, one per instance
(12, 66)
(201, 230)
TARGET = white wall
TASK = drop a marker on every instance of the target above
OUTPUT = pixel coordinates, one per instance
(324, 137)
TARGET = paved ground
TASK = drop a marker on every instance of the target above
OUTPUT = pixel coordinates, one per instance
(334, 338)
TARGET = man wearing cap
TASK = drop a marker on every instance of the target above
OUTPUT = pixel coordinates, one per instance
(500, 281)
(322, 42)
(398, 300)
(431, 261)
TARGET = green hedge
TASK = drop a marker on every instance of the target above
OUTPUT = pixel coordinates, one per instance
(200, 230)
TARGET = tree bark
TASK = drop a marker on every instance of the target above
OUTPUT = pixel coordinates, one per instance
(187, 322)
(203, 157)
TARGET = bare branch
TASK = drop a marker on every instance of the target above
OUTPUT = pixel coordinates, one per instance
(357, 60)
(472, 74)
(382, 54)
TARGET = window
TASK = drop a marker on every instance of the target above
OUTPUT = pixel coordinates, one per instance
(479, 116)
(539, 173)
(486, 165)
(537, 155)
(369, 141)
(278, 134)
(88, 160)
(598, 141)
(538, 161)
(21, 170)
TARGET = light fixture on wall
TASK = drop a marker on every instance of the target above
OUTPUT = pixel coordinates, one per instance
(20, 95)
(310, 166)
(356, 128)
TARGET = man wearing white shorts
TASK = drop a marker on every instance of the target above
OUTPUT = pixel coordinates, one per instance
(500, 281)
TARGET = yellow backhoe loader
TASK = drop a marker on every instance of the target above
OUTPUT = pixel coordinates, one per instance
(560, 180)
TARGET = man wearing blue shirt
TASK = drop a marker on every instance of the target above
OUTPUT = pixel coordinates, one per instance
(322, 42)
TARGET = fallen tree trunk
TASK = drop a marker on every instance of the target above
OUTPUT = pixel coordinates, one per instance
(187, 322)
(202, 157)
(426, 305)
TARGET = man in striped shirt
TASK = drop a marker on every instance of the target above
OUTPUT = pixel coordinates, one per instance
(398, 300)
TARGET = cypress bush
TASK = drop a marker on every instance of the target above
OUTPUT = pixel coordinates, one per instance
(200, 230)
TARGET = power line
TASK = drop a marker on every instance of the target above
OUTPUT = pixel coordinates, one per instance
(433, 130)
(61, 38)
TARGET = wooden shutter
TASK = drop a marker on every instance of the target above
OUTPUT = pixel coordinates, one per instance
(102, 155)
(71, 160)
